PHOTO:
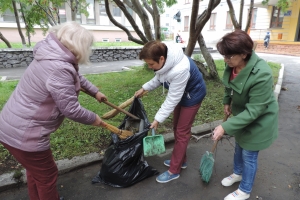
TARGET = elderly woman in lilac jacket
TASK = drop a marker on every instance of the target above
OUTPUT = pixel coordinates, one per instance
(48, 92)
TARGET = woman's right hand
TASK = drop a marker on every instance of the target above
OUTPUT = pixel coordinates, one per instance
(139, 92)
(98, 121)
(227, 110)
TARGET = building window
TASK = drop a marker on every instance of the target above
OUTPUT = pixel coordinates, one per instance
(105, 39)
(229, 24)
(253, 18)
(116, 11)
(62, 13)
(118, 40)
(186, 1)
(277, 18)
(102, 11)
(91, 18)
(167, 24)
(186, 23)
(8, 16)
(167, 15)
(212, 25)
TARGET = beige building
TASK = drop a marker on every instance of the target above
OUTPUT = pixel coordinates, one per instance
(97, 22)
(284, 27)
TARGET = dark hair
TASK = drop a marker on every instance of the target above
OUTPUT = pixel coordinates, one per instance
(153, 50)
(237, 42)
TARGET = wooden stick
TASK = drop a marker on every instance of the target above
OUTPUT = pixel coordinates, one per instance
(114, 112)
(216, 142)
(112, 105)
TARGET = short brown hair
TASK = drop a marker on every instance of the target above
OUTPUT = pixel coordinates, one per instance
(237, 42)
(153, 50)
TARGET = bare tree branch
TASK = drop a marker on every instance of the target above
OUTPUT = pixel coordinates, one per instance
(18, 22)
(213, 73)
(135, 27)
(129, 4)
(148, 8)
(232, 15)
(249, 16)
(197, 26)
(5, 40)
(241, 12)
(144, 18)
(156, 19)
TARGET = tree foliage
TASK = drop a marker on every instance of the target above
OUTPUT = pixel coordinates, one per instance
(282, 4)
(42, 13)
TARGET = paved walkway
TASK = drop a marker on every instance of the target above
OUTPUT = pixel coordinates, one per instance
(278, 177)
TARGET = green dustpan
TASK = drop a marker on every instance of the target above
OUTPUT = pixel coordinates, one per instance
(153, 145)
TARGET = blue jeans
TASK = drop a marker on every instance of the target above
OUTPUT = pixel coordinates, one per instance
(245, 164)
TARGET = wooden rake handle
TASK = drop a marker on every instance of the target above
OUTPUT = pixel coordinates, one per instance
(216, 142)
(112, 105)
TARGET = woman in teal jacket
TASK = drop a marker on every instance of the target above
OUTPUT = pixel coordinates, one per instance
(249, 97)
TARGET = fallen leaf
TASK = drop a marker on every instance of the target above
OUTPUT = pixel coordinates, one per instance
(298, 107)
(284, 88)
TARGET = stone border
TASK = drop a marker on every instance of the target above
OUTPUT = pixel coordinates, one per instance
(279, 82)
(12, 58)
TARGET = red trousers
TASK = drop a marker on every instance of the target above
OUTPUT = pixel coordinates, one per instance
(182, 123)
(41, 172)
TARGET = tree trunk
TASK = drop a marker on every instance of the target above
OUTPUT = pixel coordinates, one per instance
(156, 20)
(130, 19)
(18, 23)
(197, 25)
(232, 15)
(241, 12)
(249, 16)
(74, 8)
(5, 40)
(26, 25)
(203, 70)
(211, 66)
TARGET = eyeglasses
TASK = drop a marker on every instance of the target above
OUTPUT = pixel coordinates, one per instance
(227, 57)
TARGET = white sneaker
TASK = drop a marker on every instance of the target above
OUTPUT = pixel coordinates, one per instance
(237, 195)
(228, 181)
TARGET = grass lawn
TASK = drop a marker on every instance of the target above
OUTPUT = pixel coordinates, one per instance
(74, 139)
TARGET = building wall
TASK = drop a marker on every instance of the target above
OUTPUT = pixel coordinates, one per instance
(289, 29)
(101, 26)
(12, 35)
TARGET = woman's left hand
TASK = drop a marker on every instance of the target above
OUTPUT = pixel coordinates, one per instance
(100, 97)
(218, 133)
(154, 124)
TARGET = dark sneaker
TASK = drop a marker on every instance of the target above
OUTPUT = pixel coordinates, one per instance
(166, 177)
(167, 163)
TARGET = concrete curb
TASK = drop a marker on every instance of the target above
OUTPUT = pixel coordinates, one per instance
(279, 82)
(7, 181)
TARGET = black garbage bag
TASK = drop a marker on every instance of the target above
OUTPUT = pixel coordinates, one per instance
(123, 164)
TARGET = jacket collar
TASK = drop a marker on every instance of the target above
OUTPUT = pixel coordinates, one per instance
(237, 84)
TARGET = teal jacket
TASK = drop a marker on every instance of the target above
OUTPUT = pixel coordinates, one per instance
(254, 123)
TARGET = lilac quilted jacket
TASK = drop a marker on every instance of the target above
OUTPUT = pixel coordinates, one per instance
(47, 92)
